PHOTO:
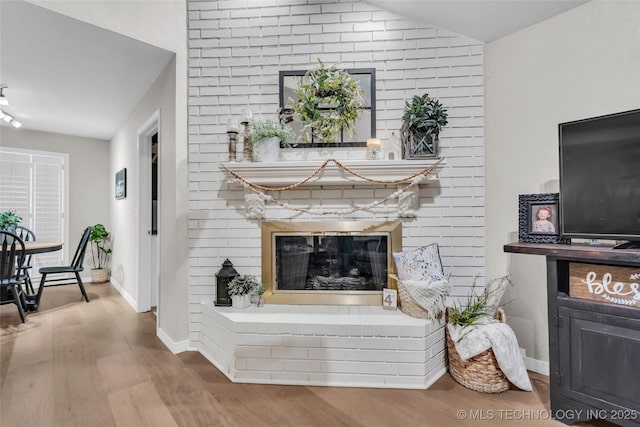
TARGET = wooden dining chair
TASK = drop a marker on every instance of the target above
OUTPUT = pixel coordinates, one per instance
(75, 267)
(11, 259)
(27, 236)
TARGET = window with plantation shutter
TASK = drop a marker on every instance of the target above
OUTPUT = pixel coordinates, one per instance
(34, 184)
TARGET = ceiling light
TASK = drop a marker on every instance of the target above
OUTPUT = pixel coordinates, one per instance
(3, 99)
(10, 119)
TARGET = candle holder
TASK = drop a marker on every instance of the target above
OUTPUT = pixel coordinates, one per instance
(233, 140)
(247, 153)
(373, 147)
(233, 128)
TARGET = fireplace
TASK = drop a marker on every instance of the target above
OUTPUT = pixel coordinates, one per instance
(328, 263)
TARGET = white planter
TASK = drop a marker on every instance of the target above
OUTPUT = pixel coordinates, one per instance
(241, 301)
(267, 150)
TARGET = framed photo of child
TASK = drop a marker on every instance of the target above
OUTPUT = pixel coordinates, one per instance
(539, 218)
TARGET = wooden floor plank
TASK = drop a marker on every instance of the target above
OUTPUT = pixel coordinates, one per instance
(101, 364)
(120, 371)
(140, 405)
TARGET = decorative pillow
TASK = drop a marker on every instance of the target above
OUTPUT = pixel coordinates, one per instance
(419, 264)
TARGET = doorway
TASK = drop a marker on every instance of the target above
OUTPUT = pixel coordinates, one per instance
(149, 144)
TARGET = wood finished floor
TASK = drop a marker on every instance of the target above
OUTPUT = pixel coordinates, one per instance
(101, 364)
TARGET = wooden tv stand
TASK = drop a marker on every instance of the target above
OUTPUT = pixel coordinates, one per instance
(594, 331)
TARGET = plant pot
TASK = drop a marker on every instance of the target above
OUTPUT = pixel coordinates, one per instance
(267, 150)
(99, 275)
(419, 145)
(241, 301)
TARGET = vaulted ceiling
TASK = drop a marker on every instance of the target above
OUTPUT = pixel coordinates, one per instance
(66, 76)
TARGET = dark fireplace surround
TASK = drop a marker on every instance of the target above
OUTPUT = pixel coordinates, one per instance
(328, 262)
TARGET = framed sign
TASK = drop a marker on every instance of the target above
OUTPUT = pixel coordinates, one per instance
(121, 183)
(389, 299)
(365, 125)
(538, 218)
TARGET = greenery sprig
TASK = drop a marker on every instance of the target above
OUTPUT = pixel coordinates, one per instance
(424, 114)
(265, 129)
(330, 100)
(242, 285)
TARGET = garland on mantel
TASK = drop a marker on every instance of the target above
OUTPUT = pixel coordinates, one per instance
(423, 172)
(259, 190)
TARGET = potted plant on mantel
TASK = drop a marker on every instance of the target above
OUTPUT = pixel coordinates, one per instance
(266, 137)
(240, 289)
(101, 253)
(422, 121)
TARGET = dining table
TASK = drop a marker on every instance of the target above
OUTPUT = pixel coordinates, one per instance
(38, 247)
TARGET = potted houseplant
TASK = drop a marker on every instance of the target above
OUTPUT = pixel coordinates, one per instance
(422, 121)
(100, 252)
(240, 289)
(266, 138)
(9, 220)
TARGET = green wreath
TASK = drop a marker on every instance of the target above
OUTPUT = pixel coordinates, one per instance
(329, 100)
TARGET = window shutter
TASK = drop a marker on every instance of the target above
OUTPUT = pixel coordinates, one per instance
(33, 184)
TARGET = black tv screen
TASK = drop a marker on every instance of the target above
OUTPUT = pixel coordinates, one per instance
(600, 177)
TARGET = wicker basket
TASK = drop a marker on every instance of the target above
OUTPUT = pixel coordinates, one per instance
(481, 372)
(408, 305)
(99, 275)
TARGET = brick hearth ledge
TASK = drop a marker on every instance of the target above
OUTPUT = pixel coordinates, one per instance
(351, 346)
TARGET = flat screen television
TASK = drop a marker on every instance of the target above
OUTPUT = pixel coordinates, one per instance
(600, 177)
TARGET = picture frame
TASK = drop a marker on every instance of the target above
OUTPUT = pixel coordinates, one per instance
(539, 218)
(121, 184)
(365, 126)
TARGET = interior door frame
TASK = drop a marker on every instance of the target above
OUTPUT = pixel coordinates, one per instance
(145, 132)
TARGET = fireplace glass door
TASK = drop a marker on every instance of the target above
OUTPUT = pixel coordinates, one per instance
(331, 262)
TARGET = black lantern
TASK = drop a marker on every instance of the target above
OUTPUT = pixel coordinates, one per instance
(223, 278)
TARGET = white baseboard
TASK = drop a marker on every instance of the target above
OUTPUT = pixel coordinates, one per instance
(173, 346)
(128, 298)
(535, 365)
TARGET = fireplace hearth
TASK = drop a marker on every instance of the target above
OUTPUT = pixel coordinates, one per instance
(335, 262)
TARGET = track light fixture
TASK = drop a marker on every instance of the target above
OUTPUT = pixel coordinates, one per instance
(9, 119)
(3, 99)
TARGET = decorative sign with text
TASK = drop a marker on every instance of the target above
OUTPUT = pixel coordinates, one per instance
(605, 283)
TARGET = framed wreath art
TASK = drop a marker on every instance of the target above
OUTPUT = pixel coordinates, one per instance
(327, 105)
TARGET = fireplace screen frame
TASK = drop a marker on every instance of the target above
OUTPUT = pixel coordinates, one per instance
(271, 229)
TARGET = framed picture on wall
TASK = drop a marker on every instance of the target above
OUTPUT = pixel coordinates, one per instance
(538, 218)
(121, 184)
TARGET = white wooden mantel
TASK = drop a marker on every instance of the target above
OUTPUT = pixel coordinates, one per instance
(280, 174)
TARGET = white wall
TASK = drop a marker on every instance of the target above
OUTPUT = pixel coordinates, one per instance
(124, 154)
(583, 63)
(162, 24)
(235, 55)
(90, 187)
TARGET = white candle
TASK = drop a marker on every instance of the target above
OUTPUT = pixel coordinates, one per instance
(247, 115)
(373, 143)
(233, 125)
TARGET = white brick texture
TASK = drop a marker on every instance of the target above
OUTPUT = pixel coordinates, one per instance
(237, 48)
(407, 353)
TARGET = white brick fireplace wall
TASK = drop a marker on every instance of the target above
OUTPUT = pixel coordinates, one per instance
(236, 49)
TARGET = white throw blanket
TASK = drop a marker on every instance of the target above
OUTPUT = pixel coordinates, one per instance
(430, 295)
(489, 333)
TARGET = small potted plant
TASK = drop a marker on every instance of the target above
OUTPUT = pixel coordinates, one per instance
(9, 220)
(100, 252)
(422, 121)
(240, 289)
(266, 138)
(258, 292)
